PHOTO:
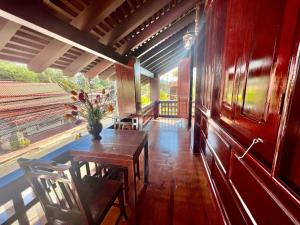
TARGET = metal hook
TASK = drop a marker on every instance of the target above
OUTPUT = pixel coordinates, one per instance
(254, 141)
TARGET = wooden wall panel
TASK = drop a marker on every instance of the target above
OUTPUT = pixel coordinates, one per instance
(244, 58)
(125, 90)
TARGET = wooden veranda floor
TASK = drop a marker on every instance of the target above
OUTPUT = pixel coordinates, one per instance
(178, 193)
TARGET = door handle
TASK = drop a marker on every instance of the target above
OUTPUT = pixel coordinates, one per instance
(254, 141)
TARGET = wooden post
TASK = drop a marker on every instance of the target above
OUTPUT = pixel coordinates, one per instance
(154, 91)
(183, 88)
(137, 84)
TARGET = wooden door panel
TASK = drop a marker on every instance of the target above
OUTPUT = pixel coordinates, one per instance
(221, 149)
(248, 103)
(230, 203)
(262, 205)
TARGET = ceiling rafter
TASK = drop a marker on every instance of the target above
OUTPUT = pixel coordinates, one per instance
(95, 13)
(173, 48)
(171, 59)
(158, 25)
(107, 73)
(99, 68)
(35, 15)
(177, 30)
(133, 21)
(78, 64)
(7, 31)
(86, 19)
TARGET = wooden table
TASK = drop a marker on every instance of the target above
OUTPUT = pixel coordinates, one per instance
(117, 147)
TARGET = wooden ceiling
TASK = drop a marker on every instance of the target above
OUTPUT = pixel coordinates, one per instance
(89, 36)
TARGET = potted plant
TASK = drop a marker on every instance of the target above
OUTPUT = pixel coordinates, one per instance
(91, 108)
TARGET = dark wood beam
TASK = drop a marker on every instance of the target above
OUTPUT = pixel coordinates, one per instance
(186, 22)
(146, 10)
(180, 51)
(168, 51)
(155, 27)
(96, 12)
(34, 15)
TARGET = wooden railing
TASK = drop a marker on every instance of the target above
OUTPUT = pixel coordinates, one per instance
(168, 108)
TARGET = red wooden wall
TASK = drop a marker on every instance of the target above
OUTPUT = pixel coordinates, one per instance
(247, 85)
(125, 89)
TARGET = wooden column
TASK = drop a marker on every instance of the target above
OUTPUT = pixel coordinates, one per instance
(183, 88)
(137, 84)
(125, 90)
(154, 92)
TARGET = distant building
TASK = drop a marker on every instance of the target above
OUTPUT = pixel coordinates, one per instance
(30, 108)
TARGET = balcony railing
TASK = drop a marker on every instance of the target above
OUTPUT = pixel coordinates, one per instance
(168, 108)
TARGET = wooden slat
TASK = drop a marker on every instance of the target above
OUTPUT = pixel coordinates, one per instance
(34, 15)
(135, 20)
(7, 31)
(157, 25)
(78, 64)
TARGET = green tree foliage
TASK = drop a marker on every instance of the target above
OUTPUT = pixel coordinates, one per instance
(19, 72)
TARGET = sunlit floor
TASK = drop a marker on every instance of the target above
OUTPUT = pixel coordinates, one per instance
(178, 193)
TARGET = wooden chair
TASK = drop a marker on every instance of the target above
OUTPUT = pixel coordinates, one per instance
(129, 124)
(66, 199)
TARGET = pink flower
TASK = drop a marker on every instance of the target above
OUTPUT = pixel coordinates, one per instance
(81, 97)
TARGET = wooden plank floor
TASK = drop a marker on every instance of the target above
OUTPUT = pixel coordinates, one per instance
(178, 193)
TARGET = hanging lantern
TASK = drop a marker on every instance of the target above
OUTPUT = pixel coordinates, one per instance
(187, 40)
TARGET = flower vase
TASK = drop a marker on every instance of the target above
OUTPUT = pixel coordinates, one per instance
(95, 129)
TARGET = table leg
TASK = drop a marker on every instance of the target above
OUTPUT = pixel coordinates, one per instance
(146, 164)
(133, 194)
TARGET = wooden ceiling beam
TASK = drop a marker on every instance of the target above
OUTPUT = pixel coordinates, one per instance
(168, 51)
(34, 14)
(133, 21)
(89, 17)
(78, 64)
(7, 31)
(99, 68)
(157, 25)
(94, 13)
(170, 60)
(48, 55)
(186, 22)
(179, 51)
(176, 38)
